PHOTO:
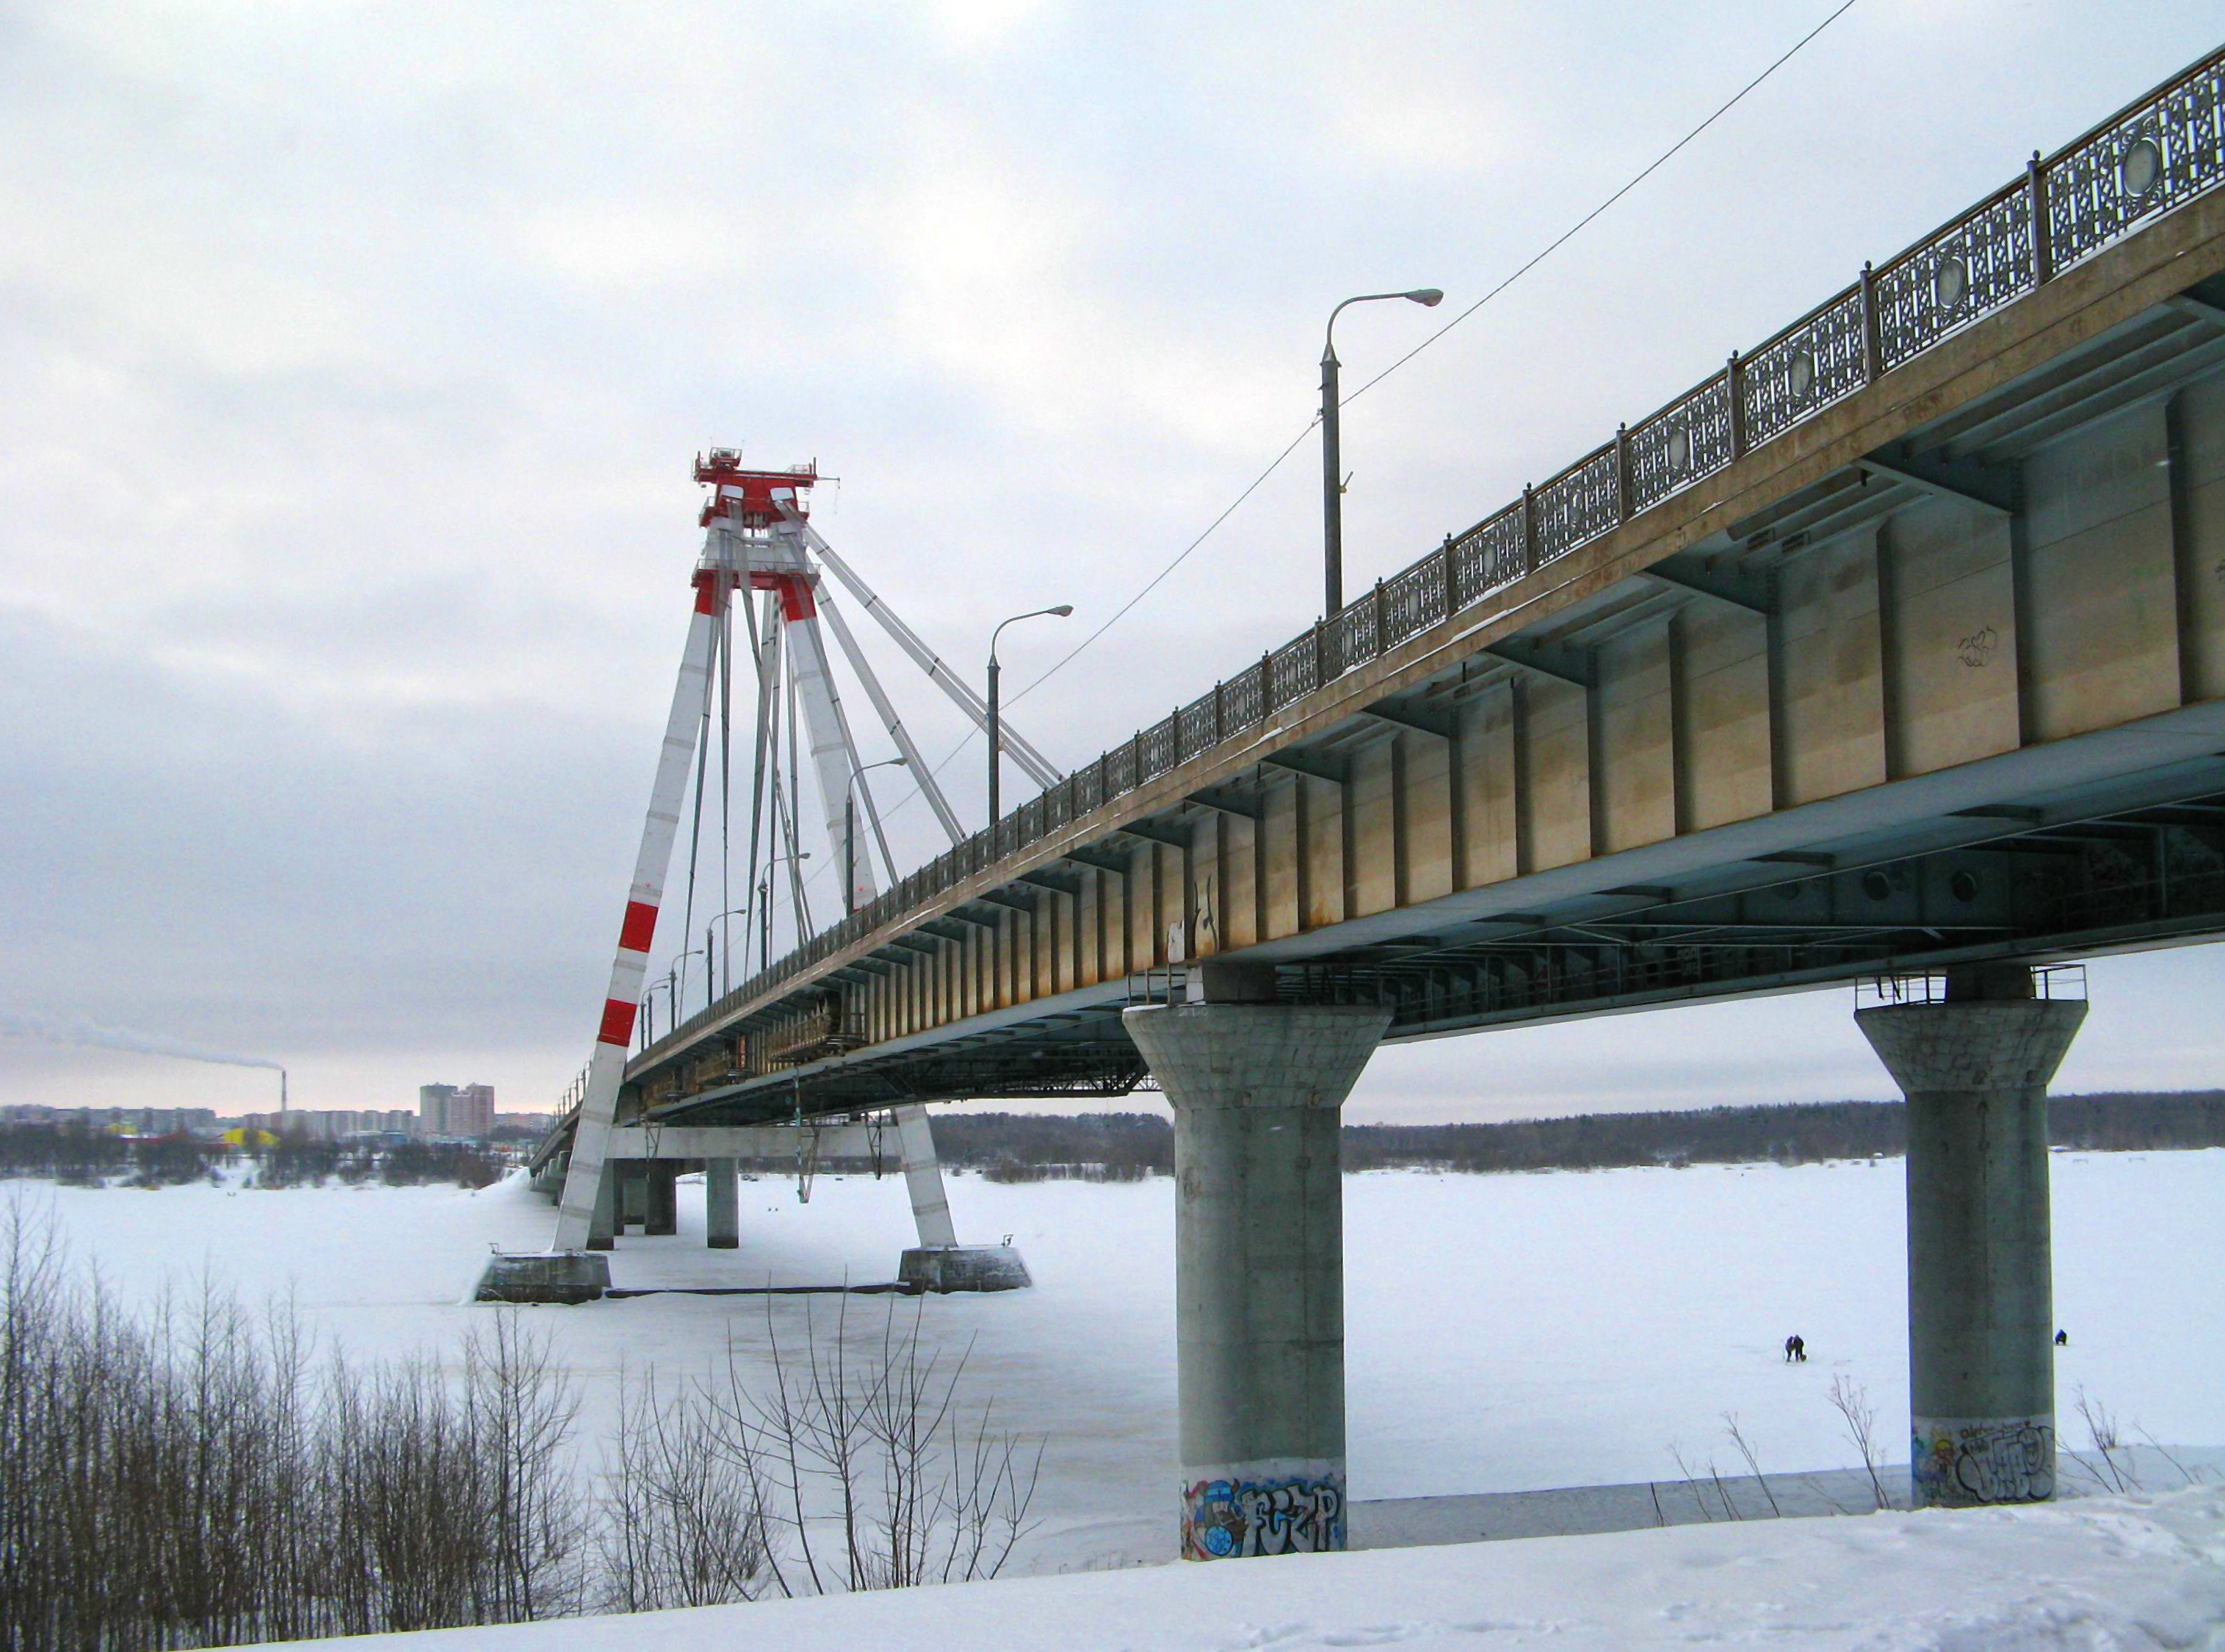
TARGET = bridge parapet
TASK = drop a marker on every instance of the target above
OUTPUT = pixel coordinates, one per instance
(2157, 153)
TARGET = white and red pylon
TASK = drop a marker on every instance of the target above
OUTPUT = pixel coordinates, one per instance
(757, 535)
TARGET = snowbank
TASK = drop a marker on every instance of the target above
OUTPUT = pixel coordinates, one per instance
(2108, 1573)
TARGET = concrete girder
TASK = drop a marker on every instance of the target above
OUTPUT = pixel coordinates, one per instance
(1998, 489)
(1336, 770)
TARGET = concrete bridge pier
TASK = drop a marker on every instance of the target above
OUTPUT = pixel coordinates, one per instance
(633, 1194)
(1256, 1088)
(663, 1210)
(1975, 1068)
(722, 1205)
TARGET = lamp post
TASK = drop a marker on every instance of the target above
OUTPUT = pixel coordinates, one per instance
(996, 736)
(850, 830)
(672, 984)
(725, 951)
(764, 907)
(1332, 482)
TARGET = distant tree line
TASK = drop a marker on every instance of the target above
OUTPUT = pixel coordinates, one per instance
(1127, 1147)
(75, 1156)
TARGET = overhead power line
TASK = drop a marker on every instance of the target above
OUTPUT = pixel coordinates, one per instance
(1276, 464)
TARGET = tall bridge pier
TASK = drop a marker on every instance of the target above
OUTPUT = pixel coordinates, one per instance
(1257, 1088)
(1974, 1068)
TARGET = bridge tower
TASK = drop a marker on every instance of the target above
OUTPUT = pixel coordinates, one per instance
(758, 541)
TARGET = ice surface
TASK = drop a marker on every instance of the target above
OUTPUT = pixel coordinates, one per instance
(1505, 1332)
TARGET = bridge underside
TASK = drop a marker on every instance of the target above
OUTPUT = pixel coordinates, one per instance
(1943, 681)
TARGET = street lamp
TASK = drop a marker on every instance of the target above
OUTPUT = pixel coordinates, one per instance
(996, 736)
(672, 984)
(764, 907)
(850, 829)
(1332, 483)
(725, 952)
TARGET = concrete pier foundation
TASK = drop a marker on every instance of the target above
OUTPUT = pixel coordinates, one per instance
(722, 1205)
(566, 1276)
(1256, 1088)
(939, 1263)
(1975, 1067)
(662, 1214)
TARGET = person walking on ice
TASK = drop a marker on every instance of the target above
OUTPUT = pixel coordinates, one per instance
(1795, 1349)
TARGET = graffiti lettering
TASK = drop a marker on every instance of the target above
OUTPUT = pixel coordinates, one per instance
(1224, 1519)
(1963, 1463)
(1977, 649)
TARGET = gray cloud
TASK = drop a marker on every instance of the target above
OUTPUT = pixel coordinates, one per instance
(354, 361)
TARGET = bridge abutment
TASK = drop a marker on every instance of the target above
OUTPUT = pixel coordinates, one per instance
(1257, 1090)
(722, 1205)
(1975, 1067)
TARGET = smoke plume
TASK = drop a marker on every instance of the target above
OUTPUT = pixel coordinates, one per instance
(83, 1030)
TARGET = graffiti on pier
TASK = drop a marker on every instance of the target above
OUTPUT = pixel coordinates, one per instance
(1224, 1518)
(2005, 1460)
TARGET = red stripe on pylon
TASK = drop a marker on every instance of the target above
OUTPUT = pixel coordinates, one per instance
(707, 590)
(640, 928)
(617, 1023)
(797, 601)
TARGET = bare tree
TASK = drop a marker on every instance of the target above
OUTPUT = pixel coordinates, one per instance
(1852, 1402)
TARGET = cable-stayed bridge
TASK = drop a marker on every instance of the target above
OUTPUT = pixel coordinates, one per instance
(1892, 652)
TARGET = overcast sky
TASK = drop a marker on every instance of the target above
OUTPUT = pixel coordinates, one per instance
(353, 357)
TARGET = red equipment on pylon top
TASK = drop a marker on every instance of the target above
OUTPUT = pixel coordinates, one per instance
(756, 506)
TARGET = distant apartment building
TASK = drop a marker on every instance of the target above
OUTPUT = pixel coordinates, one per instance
(121, 1121)
(462, 1111)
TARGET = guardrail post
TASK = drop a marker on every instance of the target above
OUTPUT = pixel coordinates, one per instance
(1382, 626)
(1873, 342)
(1136, 760)
(1622, 505)
(1321, 672)
(1734, 376)
(1452, 578)
(1219, 717)
(1266, 683)
(1529, 528)
(2042, 249)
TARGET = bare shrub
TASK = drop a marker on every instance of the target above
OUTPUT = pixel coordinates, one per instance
(197, 1475)
(2102, 1433)
(1852, 1402)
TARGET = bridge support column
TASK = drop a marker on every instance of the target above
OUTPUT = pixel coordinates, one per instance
(633, 1193)
(1980, 1287)
(940, 1262)
(663, 1214)
(1256, 1088)
(602, 1226)
(722, 1205)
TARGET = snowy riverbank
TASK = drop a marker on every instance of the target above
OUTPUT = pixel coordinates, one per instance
(2118, 1573)
(1505, 1332)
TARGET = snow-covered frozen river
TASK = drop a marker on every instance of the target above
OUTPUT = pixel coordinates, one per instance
(1504, 1332)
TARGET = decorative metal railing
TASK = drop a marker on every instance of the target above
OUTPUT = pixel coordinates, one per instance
(2157, 153)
